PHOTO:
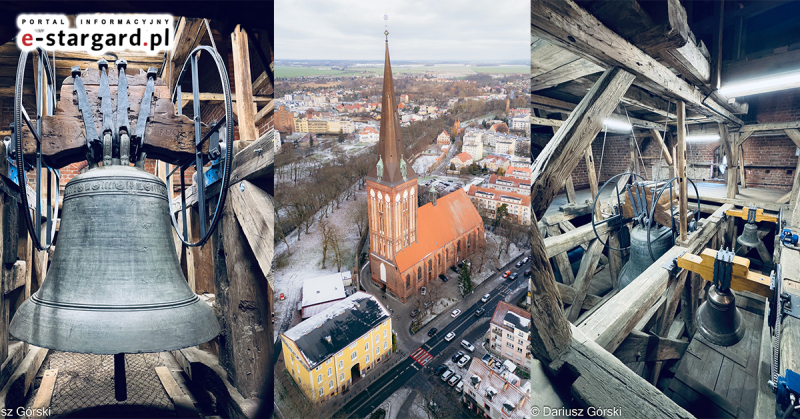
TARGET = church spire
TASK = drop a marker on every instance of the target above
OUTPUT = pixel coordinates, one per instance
(390, 145)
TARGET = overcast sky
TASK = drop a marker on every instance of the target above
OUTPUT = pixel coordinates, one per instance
(464, 30)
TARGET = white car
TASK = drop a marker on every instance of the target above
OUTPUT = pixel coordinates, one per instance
(468, 346)
(485, 298)
(455, 313)
(447, 374)
(450, 336)
(464, 360)
(460, 386)
(423, 291)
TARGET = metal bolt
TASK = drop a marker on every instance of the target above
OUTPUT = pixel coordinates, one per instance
(258, 151)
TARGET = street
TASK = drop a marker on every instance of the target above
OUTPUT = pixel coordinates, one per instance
(366, 401)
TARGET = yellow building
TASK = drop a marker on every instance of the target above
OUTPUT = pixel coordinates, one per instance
(317, 126)
(330, 351)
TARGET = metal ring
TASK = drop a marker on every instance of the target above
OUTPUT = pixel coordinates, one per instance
(619, 203)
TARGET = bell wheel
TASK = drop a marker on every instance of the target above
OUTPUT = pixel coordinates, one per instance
(616, 218)
(212, 168)
(31, 103)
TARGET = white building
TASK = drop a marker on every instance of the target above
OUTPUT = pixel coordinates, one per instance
(368, 135)
(506, 146)
(489, 200)
(496, 392)
(521, 123)
(474, 148)
(509, 332)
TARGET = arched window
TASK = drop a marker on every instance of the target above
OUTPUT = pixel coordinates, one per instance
(419, 273)
(447, 255)
(439, 260)
(458, 246)
(408, 281)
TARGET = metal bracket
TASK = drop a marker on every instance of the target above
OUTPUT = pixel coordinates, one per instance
(672, 265)
(723, 269)
(790, 304)
(93, 143)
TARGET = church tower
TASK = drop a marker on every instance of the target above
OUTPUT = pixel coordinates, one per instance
(391, 190)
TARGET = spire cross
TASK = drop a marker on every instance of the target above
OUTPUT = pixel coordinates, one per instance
(386, 26)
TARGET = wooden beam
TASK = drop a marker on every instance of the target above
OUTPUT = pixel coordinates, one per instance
(561, 155)
(611, 323)
(183, 403)
(562, 260)
(265, 111)
(567, 294)
(716, 56)
(566, 73)
(680, 158)
(567, 226)
(535, 120)
(587, 373)
(663, 324)
(590, 170)
(740, 167)
(244, 86)
(45, 393)
(569, 188)
(690, 302)
(771, 126)
(570, 240)
(254, 210)
(15, 277)
(664, 150)
(794, 135)
(188, 97)
(551, 334)
(644, 347)
(16, 388)
(584, 277)
(564, 23)
(188, 36)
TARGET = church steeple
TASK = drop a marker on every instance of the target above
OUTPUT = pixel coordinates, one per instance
(390, 145)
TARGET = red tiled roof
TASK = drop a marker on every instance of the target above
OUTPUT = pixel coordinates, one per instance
(503, 308)
(464, 157)
(516, 181)
(495, 158)
(369, 130)
(438, 225)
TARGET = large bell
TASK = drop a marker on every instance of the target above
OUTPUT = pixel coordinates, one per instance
(718, 318)
(749, 237)
(115, 284)
(640, 258)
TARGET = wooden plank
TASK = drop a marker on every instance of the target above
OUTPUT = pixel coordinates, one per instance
(567, 294)
(570, 71)
(254, 210)
(535, 120)
(188, 97)
(770, 126)
(256, 161)
(244, 342)
(560, 156)
(690, 62)
(567, 226)
(590, 171)
(643, 347)
(570, 240)
(564, 23)
(600, 379)
(562, 261)
(183, 403)
(690, 302)
(265, 111)
(16, 352)
(584, 276)
(680, 159)
(663, 324)
(188, 35)
(16, 388)
(244, 86)
(44, 393)
(664, 150)
(14, 277)
(570, 189)
(551, 334)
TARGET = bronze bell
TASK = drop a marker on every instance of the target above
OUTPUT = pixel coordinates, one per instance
(749, 237)
(718, 318)
(115, 284)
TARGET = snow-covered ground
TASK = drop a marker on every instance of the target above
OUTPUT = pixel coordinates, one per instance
(423, 163)
(305, 258)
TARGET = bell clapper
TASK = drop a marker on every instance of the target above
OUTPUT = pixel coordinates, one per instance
(120, 384)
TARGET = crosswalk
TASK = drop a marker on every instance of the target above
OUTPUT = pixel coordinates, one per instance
(421, 356)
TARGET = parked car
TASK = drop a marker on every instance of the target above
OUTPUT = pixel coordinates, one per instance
(468, 346)
(485, 298)
(414, 313)
(453, 380)
(506, 274)
(450, 336)
(432, 331)
(464, 361)
(513, 276)
(455, 269)
(427, 304)
(479, 312)
(460, 386)
(443, 278)
(457, 356)
(519, 264)
(524, 261)
(440, 369)
(423, 290)
(528, 272)
(447, 374)
(455, 313)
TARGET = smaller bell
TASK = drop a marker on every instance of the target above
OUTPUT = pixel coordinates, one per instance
(749, 237)
(718, 318)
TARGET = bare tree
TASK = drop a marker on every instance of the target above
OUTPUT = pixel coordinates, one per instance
(360, 217)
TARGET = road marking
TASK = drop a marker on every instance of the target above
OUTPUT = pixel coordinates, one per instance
(421, 356)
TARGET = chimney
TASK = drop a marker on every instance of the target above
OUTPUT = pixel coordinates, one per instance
(433, 195)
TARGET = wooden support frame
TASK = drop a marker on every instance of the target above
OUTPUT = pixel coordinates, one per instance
(584, 277)
(564, 23)
(244, 86)
(561, 155)
(680, 161)
(640, 346)
(561, 259)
